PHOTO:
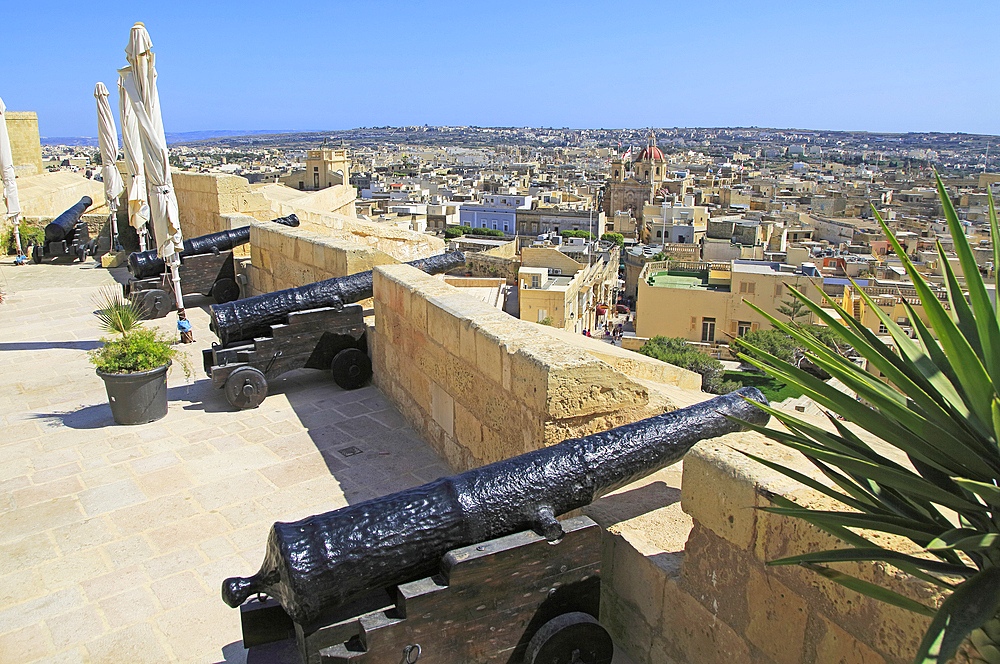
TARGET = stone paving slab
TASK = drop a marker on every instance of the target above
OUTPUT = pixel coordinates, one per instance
(114, 540)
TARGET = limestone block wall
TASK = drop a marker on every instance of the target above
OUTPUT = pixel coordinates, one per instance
(480, 385)
(25, 144)
(283, 257)
(716, 602)
(204, 200)
(484, 264)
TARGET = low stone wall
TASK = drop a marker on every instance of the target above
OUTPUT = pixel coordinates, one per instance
(480, 385)
(709, 598)
(283, 257)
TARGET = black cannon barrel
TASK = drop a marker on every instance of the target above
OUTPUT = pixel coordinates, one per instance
(253, 316)
(63, 227)
(326, 560)
(145, 264)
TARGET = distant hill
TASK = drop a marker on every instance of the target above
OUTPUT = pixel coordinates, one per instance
(172, 136)
(69, 140)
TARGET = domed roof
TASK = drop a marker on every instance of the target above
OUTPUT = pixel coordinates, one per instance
(650, 153)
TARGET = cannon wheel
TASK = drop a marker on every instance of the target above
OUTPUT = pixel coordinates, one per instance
(81, 252)
(246, 388)
(225, 290)
(570, 638)
(36, 254)
(156, 303)
(351, 368)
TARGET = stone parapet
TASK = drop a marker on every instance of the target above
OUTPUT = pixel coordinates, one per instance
(481, 386)
(284, 257)
(710, 598)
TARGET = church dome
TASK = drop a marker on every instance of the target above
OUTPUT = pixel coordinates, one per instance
(650, 153)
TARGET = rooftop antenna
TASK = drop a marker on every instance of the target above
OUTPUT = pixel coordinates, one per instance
(987, 162)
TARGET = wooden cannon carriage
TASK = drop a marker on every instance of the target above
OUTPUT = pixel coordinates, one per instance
(324, 338)
(316, 326)
(212, 274)
(513, 599)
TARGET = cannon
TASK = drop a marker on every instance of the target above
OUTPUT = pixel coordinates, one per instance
(325, 563)
(207, 267)
(66, 235)
(251, 317)
(145, 264)
(316, 326)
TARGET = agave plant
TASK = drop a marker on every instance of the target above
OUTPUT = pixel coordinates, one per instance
(940, 406)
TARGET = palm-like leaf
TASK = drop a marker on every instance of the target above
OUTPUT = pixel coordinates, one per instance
(115, 313)
(941, 408)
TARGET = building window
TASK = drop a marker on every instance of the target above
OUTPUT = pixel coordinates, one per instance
(708, 330)
(616, 172)
(777, 290)
(748, 287)
(743, 327)
(882, 329)
(536, 281)
(542, 315)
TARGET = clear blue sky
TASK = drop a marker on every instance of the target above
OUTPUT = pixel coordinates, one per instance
(838, 64)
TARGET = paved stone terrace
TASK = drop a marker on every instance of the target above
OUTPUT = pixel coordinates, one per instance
(114, 540)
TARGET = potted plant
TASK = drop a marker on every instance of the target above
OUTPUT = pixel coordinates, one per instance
(132, 363)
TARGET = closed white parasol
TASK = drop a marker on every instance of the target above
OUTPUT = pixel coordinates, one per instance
(107, 137)
(139, 82)
(9, 183)
(138, 208)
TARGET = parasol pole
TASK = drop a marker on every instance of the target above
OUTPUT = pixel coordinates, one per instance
(17, 234)
(183, 325)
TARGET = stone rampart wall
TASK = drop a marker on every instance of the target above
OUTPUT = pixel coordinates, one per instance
(25, 144)
(480, 385)
(717, 602)
(283, 257)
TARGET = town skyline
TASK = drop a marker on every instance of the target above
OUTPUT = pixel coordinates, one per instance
(881, 67)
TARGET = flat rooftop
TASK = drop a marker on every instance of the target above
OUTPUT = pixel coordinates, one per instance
(666, 280)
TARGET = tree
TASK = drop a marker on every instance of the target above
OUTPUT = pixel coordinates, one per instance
(617, 238)
(793, 309)
(677, 351)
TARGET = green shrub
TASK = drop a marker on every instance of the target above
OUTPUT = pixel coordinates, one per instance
(677, 352)
(616, 238)
(584, 234)
(29, 235)
(134, 348)
(140, 350)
